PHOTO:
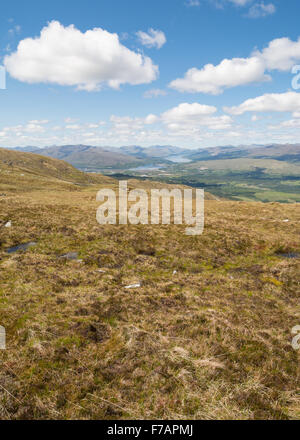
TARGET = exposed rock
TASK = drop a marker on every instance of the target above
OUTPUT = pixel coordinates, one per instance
(133, 286)
(70, 256)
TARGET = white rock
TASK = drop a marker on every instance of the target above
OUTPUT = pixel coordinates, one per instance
(133, 286)
(286, 220)
(8, 225)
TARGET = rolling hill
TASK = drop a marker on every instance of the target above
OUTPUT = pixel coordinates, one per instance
(90, 158)
(156, 151)
(19, 168)
(274, 151)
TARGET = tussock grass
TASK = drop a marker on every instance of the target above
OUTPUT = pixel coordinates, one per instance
(211, 341)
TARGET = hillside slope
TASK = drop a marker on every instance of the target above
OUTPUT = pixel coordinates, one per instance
(21, 171)
(18, 169)
(91, 158)
(155, 151)
(206, 335)
(288, 152)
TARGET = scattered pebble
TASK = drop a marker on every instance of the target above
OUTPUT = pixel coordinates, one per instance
(175, 272)
(8, 224)
(286, 220)
(133, 286)
(70, 256)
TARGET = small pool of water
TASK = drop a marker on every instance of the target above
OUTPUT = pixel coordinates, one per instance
(289, 255)
(21, 247)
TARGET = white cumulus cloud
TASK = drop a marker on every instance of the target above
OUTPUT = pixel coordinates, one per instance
(229, 73)
(270, 102)
(280, 54)
(261, 10)
(188, 118)
(66, 56)
(154, 93)
(152, 38)
(185, 111)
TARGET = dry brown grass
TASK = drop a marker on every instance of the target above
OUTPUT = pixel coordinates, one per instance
(210, 342)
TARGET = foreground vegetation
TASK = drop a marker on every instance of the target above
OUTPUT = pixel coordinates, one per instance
(207, 335)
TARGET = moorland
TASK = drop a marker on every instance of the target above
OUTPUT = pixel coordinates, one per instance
(206, 335)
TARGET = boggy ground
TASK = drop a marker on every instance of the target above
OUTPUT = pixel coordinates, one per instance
(212, 340)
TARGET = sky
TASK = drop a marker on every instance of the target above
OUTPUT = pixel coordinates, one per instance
(190, 73)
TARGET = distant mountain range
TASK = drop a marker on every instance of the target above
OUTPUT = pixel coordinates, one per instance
(27, 149)
(285, 152)
(156, 151)
(91, 158)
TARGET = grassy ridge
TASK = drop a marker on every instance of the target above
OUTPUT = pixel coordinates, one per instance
(28, 171)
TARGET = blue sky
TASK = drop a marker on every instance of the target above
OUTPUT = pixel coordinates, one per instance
(191, 73)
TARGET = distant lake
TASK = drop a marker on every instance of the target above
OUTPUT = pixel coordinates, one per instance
(178, 159)
(173, 158)
(147, 168)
